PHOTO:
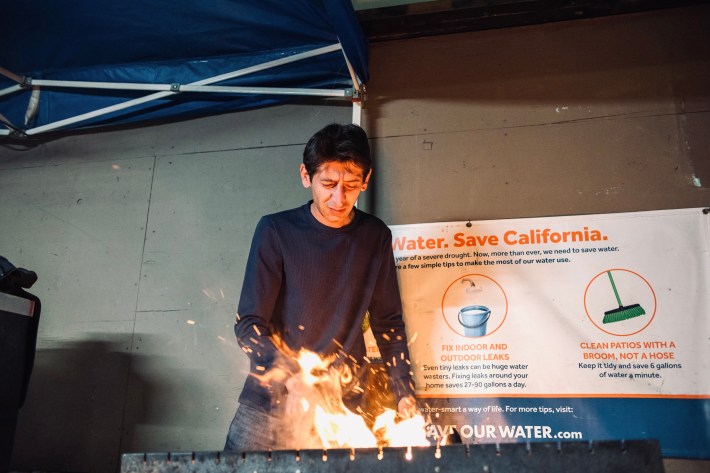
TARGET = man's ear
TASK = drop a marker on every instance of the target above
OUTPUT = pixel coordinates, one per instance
(305, 178)
(367, 180)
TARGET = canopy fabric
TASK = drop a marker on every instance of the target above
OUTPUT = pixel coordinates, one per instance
(169, 45)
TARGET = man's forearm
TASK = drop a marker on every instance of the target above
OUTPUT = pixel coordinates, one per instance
(255, 340)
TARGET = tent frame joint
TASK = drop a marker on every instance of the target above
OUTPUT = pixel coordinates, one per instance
(11, 129)
(358, 95)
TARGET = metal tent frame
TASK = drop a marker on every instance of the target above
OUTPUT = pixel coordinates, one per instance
(161, 91)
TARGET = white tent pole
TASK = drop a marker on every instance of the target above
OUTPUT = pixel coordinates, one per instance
(191, 88)
(363, 201)
(10, 90)
(96, 113)
(268, 90)
(357, 112)
(359, 92)
(270, 64)
(160, 95)
(356, 81)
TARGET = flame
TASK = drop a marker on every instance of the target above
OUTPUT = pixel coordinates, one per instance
(346, 429)
(401, 433)
(315, 400)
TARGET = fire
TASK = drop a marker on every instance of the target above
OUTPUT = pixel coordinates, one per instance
(346, 429)
(320, 419)
(401, 433)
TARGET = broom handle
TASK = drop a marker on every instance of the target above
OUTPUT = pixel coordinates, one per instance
(616, 293)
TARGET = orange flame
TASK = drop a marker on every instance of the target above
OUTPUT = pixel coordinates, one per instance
(315, 407)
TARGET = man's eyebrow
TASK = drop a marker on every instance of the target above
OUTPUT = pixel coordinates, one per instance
(333, 179)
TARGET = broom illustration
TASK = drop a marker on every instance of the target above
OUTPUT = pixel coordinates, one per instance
(623, 312)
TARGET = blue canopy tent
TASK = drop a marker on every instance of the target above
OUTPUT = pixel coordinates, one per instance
(73, 64)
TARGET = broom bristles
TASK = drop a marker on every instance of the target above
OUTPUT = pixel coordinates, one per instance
(623, 313)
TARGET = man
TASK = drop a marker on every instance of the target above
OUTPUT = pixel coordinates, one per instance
(312, 274)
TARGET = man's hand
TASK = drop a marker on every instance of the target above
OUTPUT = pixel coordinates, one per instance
(407, 407)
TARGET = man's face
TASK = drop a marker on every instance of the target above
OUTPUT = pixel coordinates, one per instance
(335, 187)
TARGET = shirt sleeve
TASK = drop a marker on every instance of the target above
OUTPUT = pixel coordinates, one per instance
(388, 326)
(260, 290)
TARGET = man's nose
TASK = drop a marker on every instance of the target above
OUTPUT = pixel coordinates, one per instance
(339, 193)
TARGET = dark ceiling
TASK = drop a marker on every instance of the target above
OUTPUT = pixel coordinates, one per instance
(455, 16)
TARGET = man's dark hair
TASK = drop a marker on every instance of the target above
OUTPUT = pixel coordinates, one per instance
(335, 142)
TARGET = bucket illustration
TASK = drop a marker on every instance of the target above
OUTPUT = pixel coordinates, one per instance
(473, 318)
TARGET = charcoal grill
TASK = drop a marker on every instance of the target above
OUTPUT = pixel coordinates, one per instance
(580, 457)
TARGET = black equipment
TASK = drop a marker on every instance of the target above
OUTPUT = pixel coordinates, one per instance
(579, 457)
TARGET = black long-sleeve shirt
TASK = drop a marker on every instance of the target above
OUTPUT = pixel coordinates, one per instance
(312, 285)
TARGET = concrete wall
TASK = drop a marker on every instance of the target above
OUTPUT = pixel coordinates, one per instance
(139, 239)
(140, 236)
(605, 115)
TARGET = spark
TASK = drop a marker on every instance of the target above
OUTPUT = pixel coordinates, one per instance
(209, 294)
(190, 322)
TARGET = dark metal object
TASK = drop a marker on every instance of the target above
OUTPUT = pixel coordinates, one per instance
(436, 17)
(580, 457)
(16, 335)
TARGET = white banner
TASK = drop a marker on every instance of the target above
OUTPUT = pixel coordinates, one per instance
(583, 306)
